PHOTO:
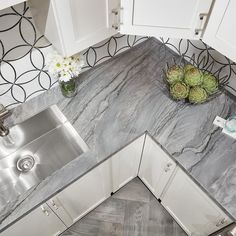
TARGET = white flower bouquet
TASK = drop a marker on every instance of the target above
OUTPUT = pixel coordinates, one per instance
(66, 69)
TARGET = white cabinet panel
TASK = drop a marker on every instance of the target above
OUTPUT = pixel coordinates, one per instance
(8, 3)
(83, 23)
(74, 25)
(83, 195)
(41, 221)
(176, 19)
(220, 32)
(191, 207)
(158, 17)
(156, 167)
(125, 163)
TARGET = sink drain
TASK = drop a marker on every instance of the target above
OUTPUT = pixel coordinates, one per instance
(25, 163)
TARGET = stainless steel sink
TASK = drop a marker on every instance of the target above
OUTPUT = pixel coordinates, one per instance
(34, 150)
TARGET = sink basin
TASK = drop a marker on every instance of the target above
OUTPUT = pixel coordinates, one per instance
(35, 149)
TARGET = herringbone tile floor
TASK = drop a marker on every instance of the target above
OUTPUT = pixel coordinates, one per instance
(132, 211)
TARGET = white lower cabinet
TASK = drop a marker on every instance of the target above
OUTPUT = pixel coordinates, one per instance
(41, 221)
(83, 195)
(196, 213)
(156, 167)
(125, 163)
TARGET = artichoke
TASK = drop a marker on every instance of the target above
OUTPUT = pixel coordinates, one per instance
(197, 94)
(210, 83)
(188, 67)
(179, 90)
(193, 77)
(174, 74)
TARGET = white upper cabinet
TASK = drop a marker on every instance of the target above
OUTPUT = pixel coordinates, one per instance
(164, 18)
(74, 25)
(156, 167)
(195, 212)
(220, 32)
(41, 221)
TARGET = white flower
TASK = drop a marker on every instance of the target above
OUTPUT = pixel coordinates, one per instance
(64, 67)
(65, 78)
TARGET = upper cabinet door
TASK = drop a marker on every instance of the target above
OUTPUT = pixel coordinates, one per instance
(220, 32)
(74, 25)
(164, 18)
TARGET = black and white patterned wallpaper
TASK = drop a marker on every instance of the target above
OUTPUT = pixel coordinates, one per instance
(23, 50)
(22, 58)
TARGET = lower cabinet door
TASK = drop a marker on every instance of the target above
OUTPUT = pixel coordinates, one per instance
(156, 167)
(125, 163)
(41, 221)
(83, 195)
(191, 207)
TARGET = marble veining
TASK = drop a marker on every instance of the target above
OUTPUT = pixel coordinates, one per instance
(118, 101)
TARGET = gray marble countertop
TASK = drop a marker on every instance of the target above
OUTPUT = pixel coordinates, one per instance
(118, 101)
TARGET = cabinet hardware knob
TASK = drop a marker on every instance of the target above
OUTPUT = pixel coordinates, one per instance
(169, 164)
(54, 204)
(115, 27)
(45, 211)
(202, 16)
(167, 169)
(221, 222)
(115, 12)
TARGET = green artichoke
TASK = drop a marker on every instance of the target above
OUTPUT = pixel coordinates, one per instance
(197, 94)
(179, 90)
(210, 83)
(188, 67)
(193, 77)
(174, 74)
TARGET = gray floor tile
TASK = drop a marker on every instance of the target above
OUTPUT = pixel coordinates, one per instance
(70, 232)
(85, 226)
(112, 210)
(136, 218)
(110, 229)
(132, 211)
(133, 191)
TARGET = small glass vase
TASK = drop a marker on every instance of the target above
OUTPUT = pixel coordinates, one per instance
(68, 88)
